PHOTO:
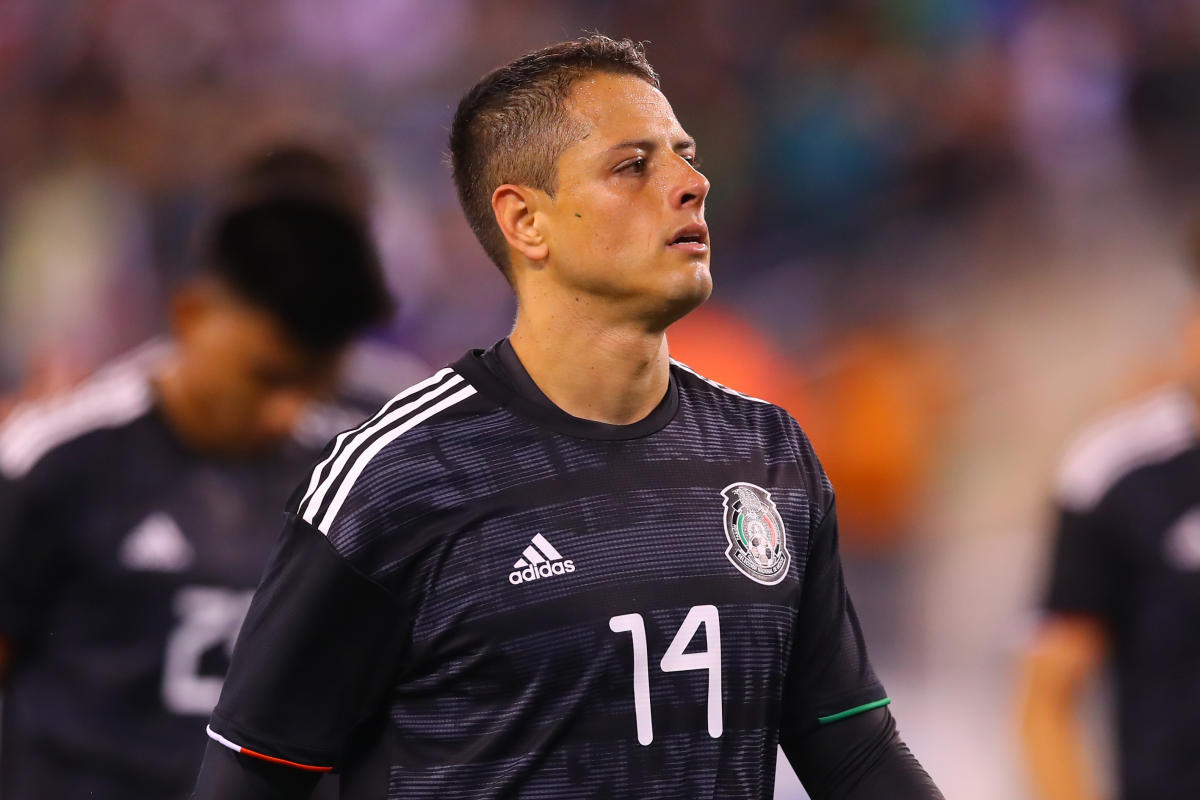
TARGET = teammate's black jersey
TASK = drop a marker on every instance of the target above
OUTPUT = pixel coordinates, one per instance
(1128, 553)
(478, 595)
(127, 563)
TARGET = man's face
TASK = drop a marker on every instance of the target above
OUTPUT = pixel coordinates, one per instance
(627, 220)
(247, 382)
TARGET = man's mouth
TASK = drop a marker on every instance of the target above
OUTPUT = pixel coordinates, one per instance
(692, 238)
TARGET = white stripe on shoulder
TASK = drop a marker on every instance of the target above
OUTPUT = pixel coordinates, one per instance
(1154, 430)
(383, 441)
(383, 410)
(347, 442)
(109, 400)
(720, 386)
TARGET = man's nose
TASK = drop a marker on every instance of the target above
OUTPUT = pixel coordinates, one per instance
(692, 187)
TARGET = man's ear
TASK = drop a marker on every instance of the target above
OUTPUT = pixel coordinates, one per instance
(516, 209)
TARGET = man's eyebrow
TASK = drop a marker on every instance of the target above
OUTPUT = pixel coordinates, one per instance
(687, 143)
(640, 144)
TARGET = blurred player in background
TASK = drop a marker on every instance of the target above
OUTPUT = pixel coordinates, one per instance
(564, 566)
(1124, 590)
(136, 509)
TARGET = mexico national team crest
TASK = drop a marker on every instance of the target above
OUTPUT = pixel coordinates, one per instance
(757, 542)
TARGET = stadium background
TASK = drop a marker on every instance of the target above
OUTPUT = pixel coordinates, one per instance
(947, 233)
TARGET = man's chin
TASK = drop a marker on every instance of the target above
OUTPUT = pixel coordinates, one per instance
(686, 296)
(695, 286)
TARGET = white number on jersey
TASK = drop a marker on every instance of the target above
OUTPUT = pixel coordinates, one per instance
(208, 616)
(676, 659)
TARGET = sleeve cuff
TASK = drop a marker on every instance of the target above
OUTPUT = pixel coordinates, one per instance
(248, 746)
(855, 711)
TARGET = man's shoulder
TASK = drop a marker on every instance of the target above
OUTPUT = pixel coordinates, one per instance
(745, 418)
(40, 435)
(708, 398)
(393, 452)
(369, 379)
(1150, 431)
(718, 394)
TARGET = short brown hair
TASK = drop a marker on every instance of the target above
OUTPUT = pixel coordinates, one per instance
(512, 126)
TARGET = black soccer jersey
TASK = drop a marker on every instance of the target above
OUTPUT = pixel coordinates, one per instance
(478, 595)
(126, 565)
(1128, 553)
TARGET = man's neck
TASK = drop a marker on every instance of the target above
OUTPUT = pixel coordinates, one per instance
(595, 371)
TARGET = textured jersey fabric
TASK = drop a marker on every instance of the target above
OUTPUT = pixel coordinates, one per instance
(477, 595)
(1127, 552)
(127, 562)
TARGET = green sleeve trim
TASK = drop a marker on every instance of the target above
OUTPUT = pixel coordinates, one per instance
(850, 712)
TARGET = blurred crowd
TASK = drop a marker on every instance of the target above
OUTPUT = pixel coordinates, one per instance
(946, 233)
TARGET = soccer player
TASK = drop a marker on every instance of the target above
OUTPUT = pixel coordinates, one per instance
(136, 511)
(564, 566)
(1123, 590)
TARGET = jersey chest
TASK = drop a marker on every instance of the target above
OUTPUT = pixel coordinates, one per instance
(160, 557)
(1158, 537)
(197, 523)
(592, 596)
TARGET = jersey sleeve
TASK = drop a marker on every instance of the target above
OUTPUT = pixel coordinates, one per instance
(861, 759)
(316, 654)
(830, 676)
(1085, 567)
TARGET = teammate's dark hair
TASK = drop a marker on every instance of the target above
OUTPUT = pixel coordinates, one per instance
(308, 261)
(513, 125)
(296, 167)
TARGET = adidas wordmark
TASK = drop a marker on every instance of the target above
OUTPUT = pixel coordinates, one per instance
(539, 560)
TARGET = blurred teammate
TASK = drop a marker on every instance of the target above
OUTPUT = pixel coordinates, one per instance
(564, 566)
(1124, 590)
(136, 510)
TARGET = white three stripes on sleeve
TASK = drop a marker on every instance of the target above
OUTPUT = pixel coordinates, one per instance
(381, 443)
(327, 493)
(115, 398)
(339, 452)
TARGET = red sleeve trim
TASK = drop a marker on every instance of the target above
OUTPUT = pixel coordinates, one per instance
(237, 748)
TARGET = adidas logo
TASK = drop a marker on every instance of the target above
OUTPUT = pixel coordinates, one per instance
(539, 560)
(157, 545)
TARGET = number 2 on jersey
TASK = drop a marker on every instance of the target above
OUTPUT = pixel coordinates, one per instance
(209, 616)
(675, 660)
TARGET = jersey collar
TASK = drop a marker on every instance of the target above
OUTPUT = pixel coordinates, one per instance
(499, 375)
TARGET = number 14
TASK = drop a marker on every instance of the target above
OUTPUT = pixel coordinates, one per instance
(675, 660)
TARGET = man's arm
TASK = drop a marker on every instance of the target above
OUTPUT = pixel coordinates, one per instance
(859, 758)
(836, 729)
(314, 659)
(1066, 650)
(1089, 576)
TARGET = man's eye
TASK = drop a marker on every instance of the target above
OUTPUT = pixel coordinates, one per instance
(694, 160)
(637, 166)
